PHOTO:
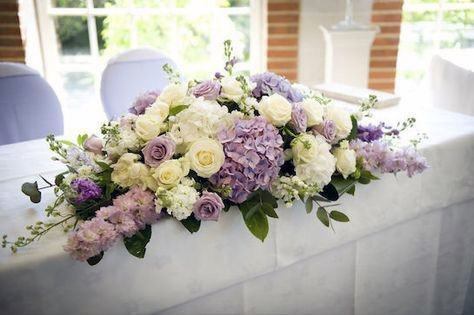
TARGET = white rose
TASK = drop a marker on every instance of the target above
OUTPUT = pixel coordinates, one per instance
(173, 94)
(206, 156)
(314, 111)
(170, 173)
(345, 160)
(276, 109)
(342, 120)
(129, 172)
(147, 126)
(304, 148)
(159, 109)
(231, 89)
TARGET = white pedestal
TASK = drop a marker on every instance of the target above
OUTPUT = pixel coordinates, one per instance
(348, 55)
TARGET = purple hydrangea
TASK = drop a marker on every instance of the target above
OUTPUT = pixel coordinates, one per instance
(143, 101)
(209, 90)
(254, 155)
(370, 132)
(377, 155)
(208, 207)
(85, 189)
(269, 83)
(299, 119)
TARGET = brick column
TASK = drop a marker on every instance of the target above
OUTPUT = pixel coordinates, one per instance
(283, 26)
(383, 58)
(11, 44)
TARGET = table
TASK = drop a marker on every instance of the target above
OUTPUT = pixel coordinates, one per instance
(407, 250)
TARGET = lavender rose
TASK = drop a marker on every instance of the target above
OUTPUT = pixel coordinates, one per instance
(158, 150)
(299, 119)
(327, 129)
(143, 102)
(208, 207)
(93, 144)
(207, 89)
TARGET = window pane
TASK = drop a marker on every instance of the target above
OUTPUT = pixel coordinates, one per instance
(99, 24)
(114, 33)
(110, 3)
(72, 34)
(233, 3)
(68, 3)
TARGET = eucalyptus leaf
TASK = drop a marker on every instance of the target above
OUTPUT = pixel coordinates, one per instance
(95, 259)
(323, 216)
(257, 223)
(309, 205)
(338, 216)
(31, 190)
(136, 245)
(191, 224)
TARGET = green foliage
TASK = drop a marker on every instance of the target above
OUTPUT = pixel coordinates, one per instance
(177, 109)
(353, 133)
(32, 191)
(191, 224)
(136, 245)
(96, 259)
(338, 216)
(323, 216)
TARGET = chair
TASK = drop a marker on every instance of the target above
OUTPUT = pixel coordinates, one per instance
(28, 105)
(452, 81)
(129, 74)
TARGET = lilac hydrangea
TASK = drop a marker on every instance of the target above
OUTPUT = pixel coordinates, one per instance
(370, 132)
(90, 239)
(299, 119)
(143, 101)
(377, 155)
(85, 189)
(254, 155)
(268, 83)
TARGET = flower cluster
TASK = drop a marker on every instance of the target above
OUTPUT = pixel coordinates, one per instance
(197, 149)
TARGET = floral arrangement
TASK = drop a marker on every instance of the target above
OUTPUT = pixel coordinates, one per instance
(198, 149)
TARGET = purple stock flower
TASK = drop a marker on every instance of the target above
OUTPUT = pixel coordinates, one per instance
(143, 101)
(254, 155)
(140, 204)
(158, 150)
(123, 221)
(370, 132)
(85, 189)
(207, 89)
(268, 83)
(208, 207)
(299, 119)
(327, 129)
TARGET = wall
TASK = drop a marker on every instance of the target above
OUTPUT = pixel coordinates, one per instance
(11, 45)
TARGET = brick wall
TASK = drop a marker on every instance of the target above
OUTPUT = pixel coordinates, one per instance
(11, 44)
(283, 24)
(383, 57)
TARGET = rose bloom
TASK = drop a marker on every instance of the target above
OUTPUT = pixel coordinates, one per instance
(342, 120)
(206, 157)
(147, 126)
(275, 109)
(129, 172)
(170, 173)
(345, 159)
(93, 144)
(314, 111)
(304, 148)
(209, 90)
(208, 207)
(231, 89)
(158, 150)
(173, 94)
(159, 109)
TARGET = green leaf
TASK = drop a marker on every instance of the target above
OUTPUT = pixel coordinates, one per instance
(58, 180)
(66, 142)
(309, 205)
(343, 185)
(267, 197)
(177, 109)
(81, 139)
(338, 216)
(252, 209)
(31, 190)
(323, 216)
(364, 181)
(269, 210)
(330, 192)
(351, 191)
(136, 245)
(368, 174)
(353, 133)
(257, 223)
(319, 198)
(95, 259)
(104, 166)
(191, 224)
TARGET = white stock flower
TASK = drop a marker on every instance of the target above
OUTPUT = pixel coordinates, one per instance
(314, 111)
(345, 159)
(148, 126)
(231, 89)
(178, 201)
(276, 109)
(206, 156)
(173, 94)
(342, 120)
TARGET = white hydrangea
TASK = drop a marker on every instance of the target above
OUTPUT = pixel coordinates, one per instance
(179, 200)
(125, 139)
(288, 189)
(200, 120)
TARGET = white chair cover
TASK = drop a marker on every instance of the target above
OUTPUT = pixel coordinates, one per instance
(452, 81)
(29, 107)
(130, 74)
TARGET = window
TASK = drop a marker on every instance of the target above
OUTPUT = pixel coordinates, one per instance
(429, 26)
(79, 36)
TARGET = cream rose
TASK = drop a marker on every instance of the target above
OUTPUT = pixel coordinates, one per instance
(174, 94)
(231, 89)
(276, 109)
(304, 149)
(170, 173)
(345, 159)
(342, 120)
(128, 172)
(314, 111)
(159, 109)
(147, 126)
(206, 157)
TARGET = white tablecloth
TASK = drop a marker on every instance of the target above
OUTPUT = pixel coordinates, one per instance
(407, 250)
